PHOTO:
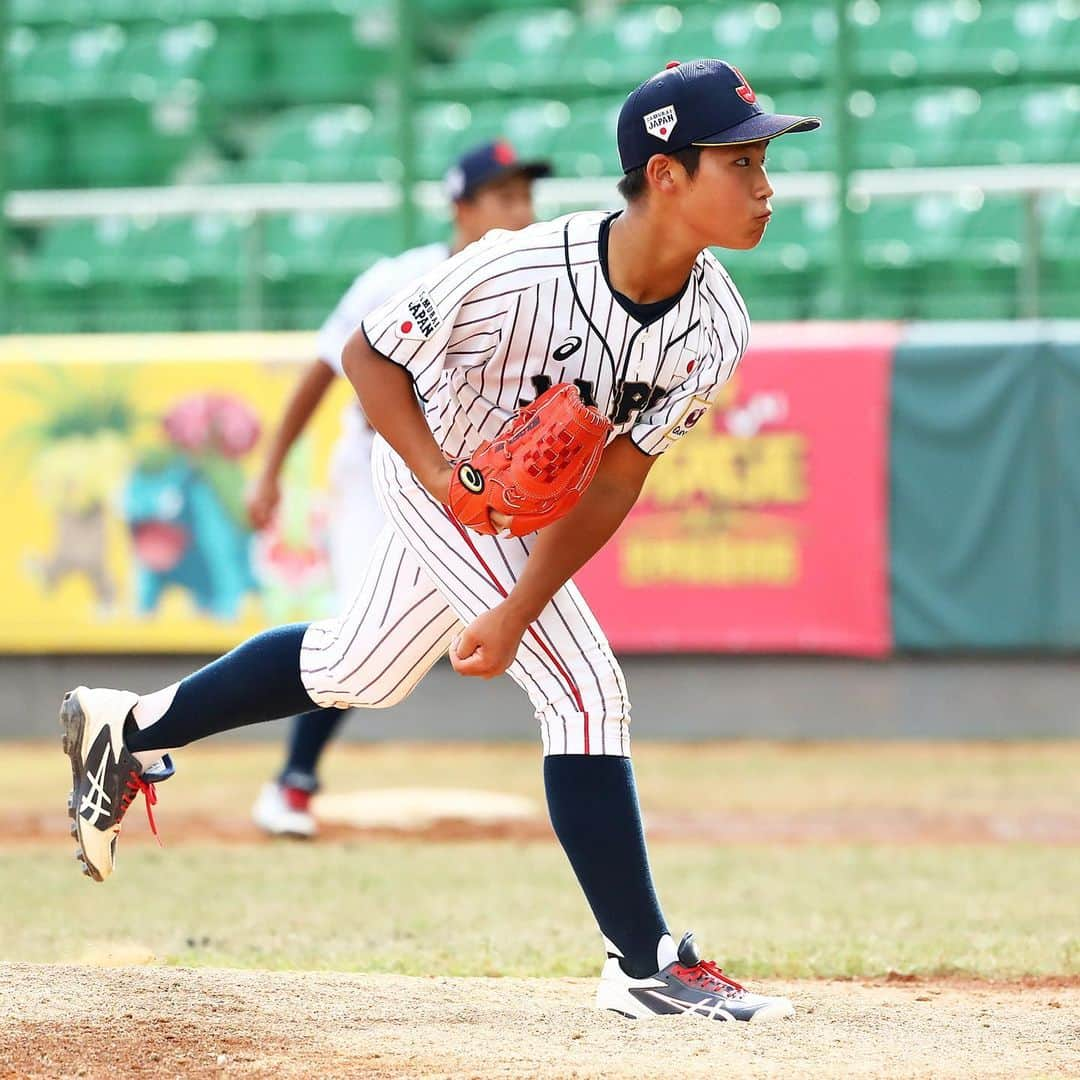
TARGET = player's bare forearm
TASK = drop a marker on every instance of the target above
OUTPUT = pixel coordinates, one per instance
(566, 545)
(305, 399)
(385, 390)
(309, 391)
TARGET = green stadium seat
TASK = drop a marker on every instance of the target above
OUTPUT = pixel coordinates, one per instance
(129, 143)
(534, 127)
(1060, 229)
(190, 272)
(43, 12)
(63, 66)
(445, 130)
(508, 50)
(617, 51)
(35, 153)
(587, 145)
(441, 130)
(1060, 248)
(159, 61)
(1029, 37)
(1024, 125)
(941, 256)
(79, 277)
(995, 235)
(908, 246)
(313, 143)
(319, 50)
(457, 10)
(126, 11)
(301, 278)
(903, 41)
(900, 129)
(232, 71)
(362, 240)
(772, 45)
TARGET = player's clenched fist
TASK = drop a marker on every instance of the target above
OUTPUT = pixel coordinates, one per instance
(488, 645)
(536, 470)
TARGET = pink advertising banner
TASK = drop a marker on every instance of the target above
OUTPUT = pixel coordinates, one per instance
(766, 528)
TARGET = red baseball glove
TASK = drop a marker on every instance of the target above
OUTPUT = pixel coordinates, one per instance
(536, 470)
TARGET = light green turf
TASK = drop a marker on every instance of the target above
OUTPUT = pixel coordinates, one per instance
(508, 909)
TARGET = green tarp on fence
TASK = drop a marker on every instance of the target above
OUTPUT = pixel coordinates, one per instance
(985, 486)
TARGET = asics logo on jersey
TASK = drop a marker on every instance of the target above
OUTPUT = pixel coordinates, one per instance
(566, 350)
(95, 802)
(471, 479)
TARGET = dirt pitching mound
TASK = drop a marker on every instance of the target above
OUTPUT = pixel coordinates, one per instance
(61, 1021)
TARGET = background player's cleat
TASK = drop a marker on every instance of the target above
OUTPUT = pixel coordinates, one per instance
(105, 778)
(284, 811)
(687, 985)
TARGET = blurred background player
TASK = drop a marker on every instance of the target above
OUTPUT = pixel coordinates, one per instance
(489, 189)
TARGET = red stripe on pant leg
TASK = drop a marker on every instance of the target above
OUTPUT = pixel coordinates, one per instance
(575, 693)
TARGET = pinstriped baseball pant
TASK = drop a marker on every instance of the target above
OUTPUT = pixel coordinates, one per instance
(426, 578)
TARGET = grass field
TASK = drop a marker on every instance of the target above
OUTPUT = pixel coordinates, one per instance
(986, 891)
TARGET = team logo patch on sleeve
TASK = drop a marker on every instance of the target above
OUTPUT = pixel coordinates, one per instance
(419, 319)
(661, 122)
(697, 408)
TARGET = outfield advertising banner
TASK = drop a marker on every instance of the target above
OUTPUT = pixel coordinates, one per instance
(124, 468)
(126, 461)
(765, 528)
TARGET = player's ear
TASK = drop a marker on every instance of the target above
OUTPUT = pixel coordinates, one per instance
(663, 173)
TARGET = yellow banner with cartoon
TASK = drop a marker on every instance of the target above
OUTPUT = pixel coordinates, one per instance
(124, 468)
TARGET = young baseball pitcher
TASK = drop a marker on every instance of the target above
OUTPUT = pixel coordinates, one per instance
(521, 392)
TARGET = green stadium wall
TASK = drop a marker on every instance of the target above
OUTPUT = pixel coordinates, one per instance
(984, 481)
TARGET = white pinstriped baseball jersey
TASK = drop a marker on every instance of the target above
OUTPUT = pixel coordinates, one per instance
(510, 316)
(482, 334)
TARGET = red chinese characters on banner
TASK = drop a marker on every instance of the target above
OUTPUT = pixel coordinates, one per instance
(764, 529)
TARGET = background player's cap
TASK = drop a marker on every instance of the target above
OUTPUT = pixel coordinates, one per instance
(483, 164)
(699, 103)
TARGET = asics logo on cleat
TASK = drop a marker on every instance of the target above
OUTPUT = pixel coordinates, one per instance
(95, 803)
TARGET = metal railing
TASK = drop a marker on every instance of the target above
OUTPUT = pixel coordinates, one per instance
(255, 202)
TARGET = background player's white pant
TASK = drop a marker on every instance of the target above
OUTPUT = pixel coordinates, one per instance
(356, 519)
(427, 577)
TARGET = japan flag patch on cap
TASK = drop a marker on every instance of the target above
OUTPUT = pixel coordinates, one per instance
(661, 122)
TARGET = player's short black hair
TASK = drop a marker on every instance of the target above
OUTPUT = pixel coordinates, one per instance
(633, 184)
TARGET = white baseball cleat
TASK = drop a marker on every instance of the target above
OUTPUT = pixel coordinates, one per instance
(284, 811)
(688, 985)
(105, 777)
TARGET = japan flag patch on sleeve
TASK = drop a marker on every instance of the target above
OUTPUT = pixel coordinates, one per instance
(419, 318)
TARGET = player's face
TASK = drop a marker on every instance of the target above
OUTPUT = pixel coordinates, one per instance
(503, 204)
(726, 202)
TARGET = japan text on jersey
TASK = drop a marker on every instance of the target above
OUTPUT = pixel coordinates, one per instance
(506, 318)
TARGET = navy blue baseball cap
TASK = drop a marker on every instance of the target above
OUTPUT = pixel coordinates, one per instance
(699, 103)
(483, 164)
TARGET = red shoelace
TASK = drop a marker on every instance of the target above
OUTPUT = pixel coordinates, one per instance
(706, 972)
(135, 784)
